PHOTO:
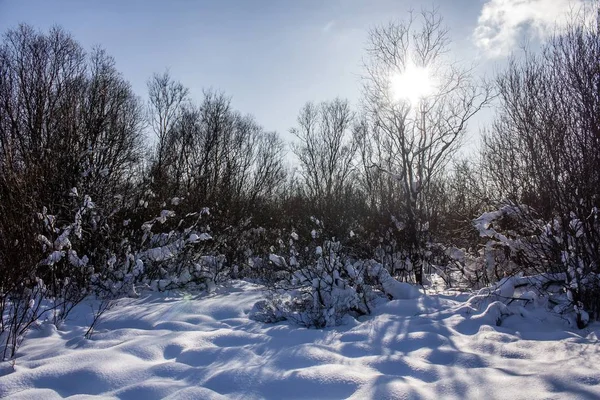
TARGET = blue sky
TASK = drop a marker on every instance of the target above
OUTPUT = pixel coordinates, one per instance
(273, 56)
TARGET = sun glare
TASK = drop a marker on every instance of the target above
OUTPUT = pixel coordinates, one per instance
(412, 85)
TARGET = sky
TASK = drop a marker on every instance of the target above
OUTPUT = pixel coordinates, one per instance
(272, 56)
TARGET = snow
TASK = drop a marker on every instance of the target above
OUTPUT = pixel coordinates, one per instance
(277, 260)
(505, 288)
(54, 257)
(164, 215)
(393, 288)
(185, 346)
(199, 238)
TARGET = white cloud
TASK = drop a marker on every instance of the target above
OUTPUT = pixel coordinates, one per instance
(329, 26)
(502, 22)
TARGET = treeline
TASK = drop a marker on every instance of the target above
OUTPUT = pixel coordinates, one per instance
(101, 192)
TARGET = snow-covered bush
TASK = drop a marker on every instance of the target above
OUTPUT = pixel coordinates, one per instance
(401, 246)
(21, 308)
(528, 296)
(318, 288)
(517, 242)
(107, 256)
(512, 241)
(319, 285)
(58, 282)
(459, 268)
(573, 245)
(177, 255)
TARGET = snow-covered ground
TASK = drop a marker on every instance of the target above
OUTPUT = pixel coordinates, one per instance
(205, 347)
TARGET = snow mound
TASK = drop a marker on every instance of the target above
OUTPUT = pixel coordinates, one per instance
(393, 288)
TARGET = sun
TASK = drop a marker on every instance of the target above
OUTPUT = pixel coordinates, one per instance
(412, 85)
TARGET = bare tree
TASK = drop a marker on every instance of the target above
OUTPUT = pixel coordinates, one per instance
(69, 126)
(268, 172)
(167, 99)
(382, 189)
(325, 149)
(217, 156)
(419, 136)
(42, 77)
(544, 147)
(111, 139)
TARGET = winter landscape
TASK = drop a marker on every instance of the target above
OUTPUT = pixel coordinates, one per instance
(431, 233)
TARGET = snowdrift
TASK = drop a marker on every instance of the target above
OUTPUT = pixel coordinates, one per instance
(205, 347)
